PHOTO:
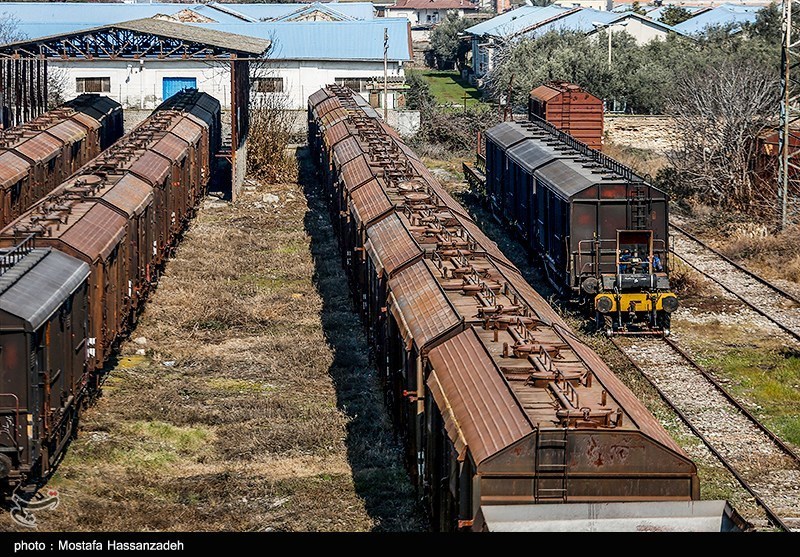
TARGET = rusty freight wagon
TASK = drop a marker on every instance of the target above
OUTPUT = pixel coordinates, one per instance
(570, 109)
(499, 403)
(38, 155)
(600, 230)
(43, 338)
(116, 220)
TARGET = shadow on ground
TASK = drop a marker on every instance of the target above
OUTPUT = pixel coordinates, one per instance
(374, 454)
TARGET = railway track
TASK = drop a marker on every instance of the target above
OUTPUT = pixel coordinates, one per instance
(774, 303)
(765, 467)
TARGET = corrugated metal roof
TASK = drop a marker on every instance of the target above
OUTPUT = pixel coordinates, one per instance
(543, 310)
(229, 40)
(130, 194)
(356, 172)
(506, 134)
(152, 167)
(580, 20)
(346, 150)
(40, 148)
(531, 154)
(391, 246)
(39, 284)
(421, 305)
(336, 133)
(320, 95)
(726, 14)
(566, 178)
(369, 202)
(97, 233)
(328, 40)
(12, 169)
(466, 382)
(356, 10)
(514, 21)
(172, 147)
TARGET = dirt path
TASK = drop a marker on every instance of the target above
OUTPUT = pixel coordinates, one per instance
(245, 400)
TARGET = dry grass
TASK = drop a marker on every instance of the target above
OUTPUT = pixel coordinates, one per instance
(254, 406)
(642, 161)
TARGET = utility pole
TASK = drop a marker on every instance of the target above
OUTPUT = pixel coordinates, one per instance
(385, 73)
(789, 169)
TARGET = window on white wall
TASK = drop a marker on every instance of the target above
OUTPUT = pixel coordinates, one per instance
(93, 84)
(357, 84)
(268, 84)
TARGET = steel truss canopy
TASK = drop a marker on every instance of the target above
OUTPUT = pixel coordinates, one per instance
(138, 39)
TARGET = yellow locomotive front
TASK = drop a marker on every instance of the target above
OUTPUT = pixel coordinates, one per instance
(636, 298)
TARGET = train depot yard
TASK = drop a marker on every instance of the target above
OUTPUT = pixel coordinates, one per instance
(382, 312)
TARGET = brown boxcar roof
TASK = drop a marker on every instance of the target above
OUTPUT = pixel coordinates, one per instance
(97, 233)
(152, 167)
(637, 411)
(130, 194)
(40, 148)
(12, 169)
(319, 96)
(477, 403)
(86, 120)
(544, 93)
(346, 150)
(333, 117)
(444, 197)
(336, 133)
(421, 305)
(326, 106)
(369, 202)
(391, 246)
(356, 172)
(188, 129)
(68, 131)
(172, 147)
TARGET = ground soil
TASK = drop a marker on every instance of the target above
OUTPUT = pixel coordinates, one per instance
(245, 399)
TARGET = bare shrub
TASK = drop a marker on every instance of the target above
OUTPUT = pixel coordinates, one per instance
(270, 134)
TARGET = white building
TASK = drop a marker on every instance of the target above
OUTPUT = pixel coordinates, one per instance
(313, 45)
(429, 12)
(601, 5)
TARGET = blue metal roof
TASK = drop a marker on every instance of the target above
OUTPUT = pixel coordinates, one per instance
(516, 20)
(726, 14)
(356, 10)
(328, 40)
(102, 13)
(579, 21)
(656, 13)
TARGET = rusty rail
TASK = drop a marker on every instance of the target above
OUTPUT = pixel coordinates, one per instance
(771, 514)
(777, 289)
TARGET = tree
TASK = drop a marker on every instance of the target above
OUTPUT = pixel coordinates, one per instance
(447, 43)
(767, 25)
(637, 8)
(9, 29)
(673, 15)
(720, 110)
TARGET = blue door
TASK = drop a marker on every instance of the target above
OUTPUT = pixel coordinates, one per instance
(174, 85)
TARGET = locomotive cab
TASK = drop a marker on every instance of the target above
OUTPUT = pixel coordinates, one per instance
(635, 296)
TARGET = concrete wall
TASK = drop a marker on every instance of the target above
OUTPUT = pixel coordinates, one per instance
(594, 4)
(141, 85)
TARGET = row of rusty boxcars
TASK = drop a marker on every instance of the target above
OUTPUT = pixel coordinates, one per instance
(76, 268)
(38, 155)
(500, 405)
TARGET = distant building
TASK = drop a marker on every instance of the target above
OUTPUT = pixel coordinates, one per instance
(429, 12)
(533, 21)
(601, 5)
(726, 15)
(312, 45)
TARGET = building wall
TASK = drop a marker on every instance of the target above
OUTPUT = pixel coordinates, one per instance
(141, 85)
(421, 17)
(640, 30)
